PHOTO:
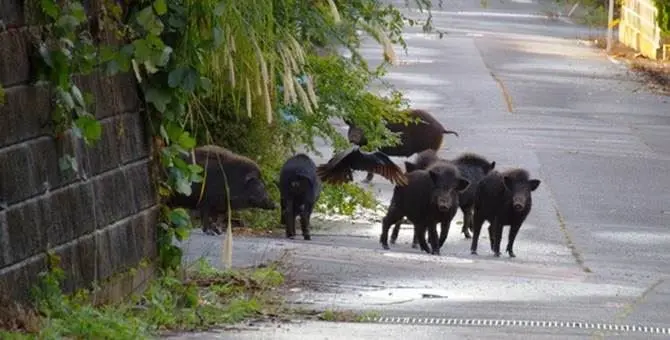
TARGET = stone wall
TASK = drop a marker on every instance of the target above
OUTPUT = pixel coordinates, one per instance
(101, 219)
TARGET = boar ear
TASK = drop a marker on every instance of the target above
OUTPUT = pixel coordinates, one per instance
(493, 165)
(409, 166)
(508, 182)
(462, 184)
(534, 183)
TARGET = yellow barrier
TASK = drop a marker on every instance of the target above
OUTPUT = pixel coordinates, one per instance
(638, 28)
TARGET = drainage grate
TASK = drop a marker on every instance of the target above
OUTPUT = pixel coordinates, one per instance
(517, 323)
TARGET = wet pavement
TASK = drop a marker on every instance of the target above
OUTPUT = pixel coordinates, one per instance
(524, 91)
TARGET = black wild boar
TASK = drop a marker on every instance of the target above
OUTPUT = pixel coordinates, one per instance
(300, 188)
(430, 197)
(502, 198)
(414, 137)
(242, 175)
(472, 167)
(340, 167)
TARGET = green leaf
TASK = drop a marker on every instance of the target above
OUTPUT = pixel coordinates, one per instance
(186, 141)
(205, 84)
(190, 80)
(160, 7)
(164, 56)
(67, 162)
(45, 54)
(78, 97)
(195, 168)
(181, 233)
(149, 21)
(78, 11)
(50, 8)
(174, 131)
(183, 186)
(159, 98)
(176, 76)
(90, 127)
(65, 99)
(142, 50)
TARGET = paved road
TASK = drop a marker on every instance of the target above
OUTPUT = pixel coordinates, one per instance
(521, 90)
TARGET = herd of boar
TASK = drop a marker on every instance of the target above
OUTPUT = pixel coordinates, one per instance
(430, 191)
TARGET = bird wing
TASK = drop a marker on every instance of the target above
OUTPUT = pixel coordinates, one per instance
(339, 168)
(379, 163)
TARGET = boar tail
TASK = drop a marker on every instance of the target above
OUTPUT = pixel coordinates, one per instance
(450, 132)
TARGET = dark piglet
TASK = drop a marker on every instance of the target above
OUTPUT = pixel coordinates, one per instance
(300, 189)
(502, 198)
(472, 167)
(430, 197)
(242, 175)
(414, 137)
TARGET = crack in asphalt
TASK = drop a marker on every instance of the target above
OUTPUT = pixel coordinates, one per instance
(506, 95)
(568, 239)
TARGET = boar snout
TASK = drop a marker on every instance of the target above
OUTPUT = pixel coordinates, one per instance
(444, 203)
(518, 203)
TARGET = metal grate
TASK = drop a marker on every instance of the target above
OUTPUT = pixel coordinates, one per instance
(517, 323)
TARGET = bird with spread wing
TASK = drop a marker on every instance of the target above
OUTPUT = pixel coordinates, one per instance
(339, 169)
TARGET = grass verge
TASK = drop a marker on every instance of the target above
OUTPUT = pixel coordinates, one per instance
(205, 298)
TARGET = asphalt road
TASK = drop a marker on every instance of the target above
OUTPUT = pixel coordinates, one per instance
(523, 91)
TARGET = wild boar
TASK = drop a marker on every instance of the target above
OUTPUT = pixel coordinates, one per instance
(300, 189)
(430, 197)
(414, 137)
(223, 168)
(502, 198)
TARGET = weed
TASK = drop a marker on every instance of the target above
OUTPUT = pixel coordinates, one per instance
(205, 298)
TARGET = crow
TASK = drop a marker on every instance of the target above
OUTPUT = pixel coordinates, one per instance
(339, 169)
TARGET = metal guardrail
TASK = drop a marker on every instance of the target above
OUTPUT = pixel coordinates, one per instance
(638, 28)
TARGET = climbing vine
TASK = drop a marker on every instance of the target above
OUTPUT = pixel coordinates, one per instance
(191, 56)
(663, 16)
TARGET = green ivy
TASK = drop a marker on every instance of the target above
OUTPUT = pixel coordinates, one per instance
(168, 45)
(66, 52)
(663, 15)
(69, 50)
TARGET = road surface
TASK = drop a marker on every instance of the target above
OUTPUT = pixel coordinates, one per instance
(593, 257)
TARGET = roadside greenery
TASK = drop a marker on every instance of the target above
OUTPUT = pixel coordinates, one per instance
(262, 78)
(203, 298)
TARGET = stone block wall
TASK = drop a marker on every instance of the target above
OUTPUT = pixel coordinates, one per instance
(100, 220)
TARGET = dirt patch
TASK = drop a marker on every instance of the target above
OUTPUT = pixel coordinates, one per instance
(654, 73)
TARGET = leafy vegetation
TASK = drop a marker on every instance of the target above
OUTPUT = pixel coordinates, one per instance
(262, 78)
(205, 297)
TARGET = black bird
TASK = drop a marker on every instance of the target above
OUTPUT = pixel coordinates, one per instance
(340, 168)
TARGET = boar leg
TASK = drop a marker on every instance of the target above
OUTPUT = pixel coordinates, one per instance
(282, 212)
(445, 224)
(415, 240)
(467, 221)
(393, 215)
(394, 232)
(492, 238)
(304, 222)
(513, 230)
(204, 220)
(433, 239)
(497, 234)
(420, 234)
(289, 219)
(477, 222)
